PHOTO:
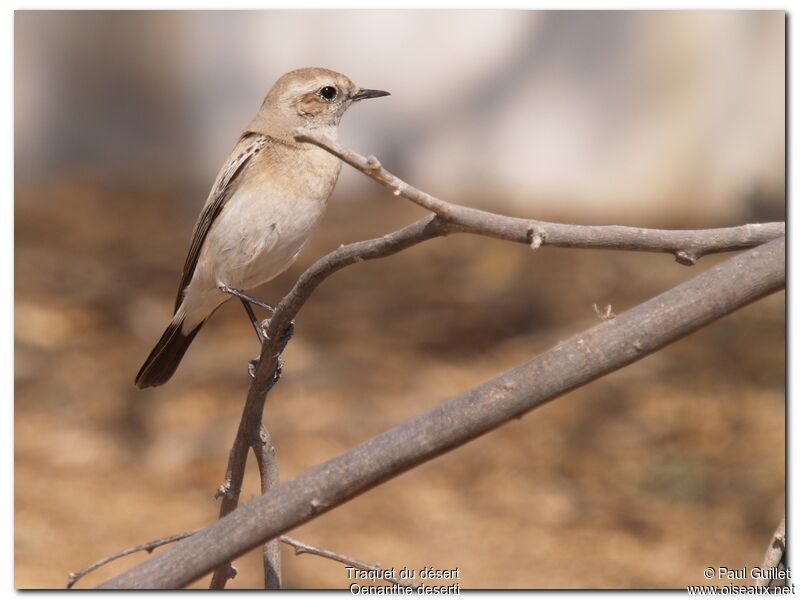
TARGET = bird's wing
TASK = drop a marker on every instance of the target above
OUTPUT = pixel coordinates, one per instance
(246, 149)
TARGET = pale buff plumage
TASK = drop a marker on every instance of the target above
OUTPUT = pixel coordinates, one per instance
(266, 202)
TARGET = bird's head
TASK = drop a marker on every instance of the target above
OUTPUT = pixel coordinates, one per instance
(313, 98)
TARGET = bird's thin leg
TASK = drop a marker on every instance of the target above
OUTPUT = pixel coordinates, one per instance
(260, 329)
(242, 296)
(256, 325)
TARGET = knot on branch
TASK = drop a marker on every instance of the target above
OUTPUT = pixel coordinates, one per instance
(686, 258)
(263, 436)
(276, 374)
(231, 572)
(536, 236)
(317, 505)
(224, 491)
(373, 164)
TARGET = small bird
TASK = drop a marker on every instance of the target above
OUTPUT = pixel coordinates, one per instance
(264, 205)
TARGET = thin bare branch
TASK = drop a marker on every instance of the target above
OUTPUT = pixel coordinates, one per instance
(577, 361)
(686, 245)
(774, 561)
(229, 491)
(298, 546)
(303, 548)
(146, 547)
(266, 460)
(268, 470)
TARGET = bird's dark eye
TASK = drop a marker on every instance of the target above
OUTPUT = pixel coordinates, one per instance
(328, 93)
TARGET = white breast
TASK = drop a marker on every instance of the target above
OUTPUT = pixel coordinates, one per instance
(262, 228)
(259, 234)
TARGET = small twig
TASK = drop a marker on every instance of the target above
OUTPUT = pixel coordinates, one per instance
(774, 557)
(298, 546)
(146, 547)
(303, 548)
(604, 314)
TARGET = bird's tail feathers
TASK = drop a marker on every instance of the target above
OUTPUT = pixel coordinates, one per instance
(166, 356)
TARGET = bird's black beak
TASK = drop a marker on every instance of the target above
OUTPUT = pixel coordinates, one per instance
(364, 94)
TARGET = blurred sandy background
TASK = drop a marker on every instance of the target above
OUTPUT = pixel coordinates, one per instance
(642, 479)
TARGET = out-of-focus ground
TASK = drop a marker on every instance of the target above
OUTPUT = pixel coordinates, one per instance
(641, 479)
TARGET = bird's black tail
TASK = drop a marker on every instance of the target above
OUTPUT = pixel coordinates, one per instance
(166, 356)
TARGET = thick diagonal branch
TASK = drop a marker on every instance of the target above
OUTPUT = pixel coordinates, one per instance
(582, 358)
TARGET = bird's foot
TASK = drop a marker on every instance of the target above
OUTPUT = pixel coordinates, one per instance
(287, 334)
(252, 365)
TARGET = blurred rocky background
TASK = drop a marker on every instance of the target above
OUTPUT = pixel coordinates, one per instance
(640, 479)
